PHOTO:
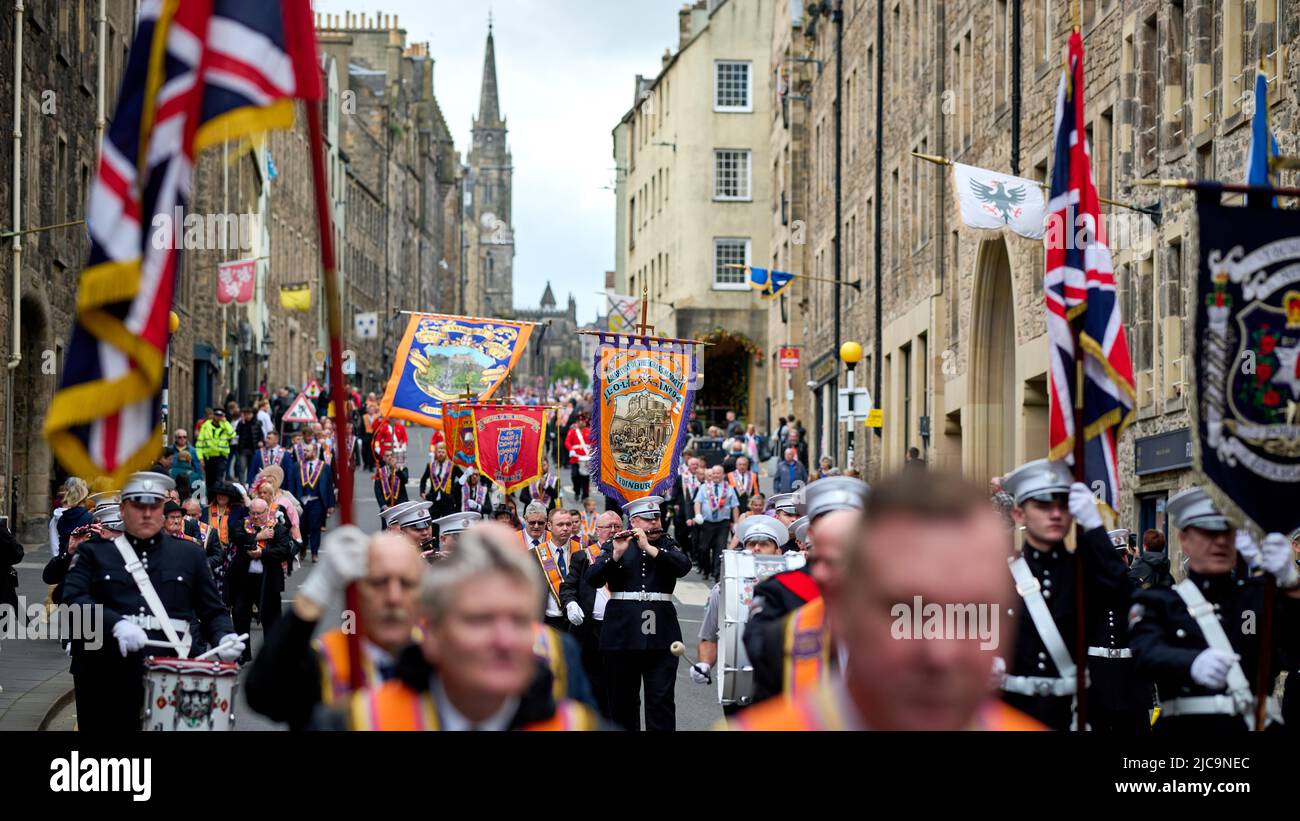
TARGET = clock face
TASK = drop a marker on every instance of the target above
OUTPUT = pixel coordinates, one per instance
(489, 220)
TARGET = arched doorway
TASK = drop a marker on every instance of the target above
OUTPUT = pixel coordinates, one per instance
(34, 382)
(992, 378)
(727, 365)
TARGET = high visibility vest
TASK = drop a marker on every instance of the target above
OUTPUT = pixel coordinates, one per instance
(818, 710)
(807, 648)
(394, 706)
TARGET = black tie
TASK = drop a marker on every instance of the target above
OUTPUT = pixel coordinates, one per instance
(559, 558)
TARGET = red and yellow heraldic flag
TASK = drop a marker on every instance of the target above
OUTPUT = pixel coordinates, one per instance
(641, 400)
(510, 442)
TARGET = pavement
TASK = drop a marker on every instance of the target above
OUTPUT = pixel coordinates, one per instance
(38, 689)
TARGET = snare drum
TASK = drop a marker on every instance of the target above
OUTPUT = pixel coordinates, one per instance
(188, 695)
(741, 570)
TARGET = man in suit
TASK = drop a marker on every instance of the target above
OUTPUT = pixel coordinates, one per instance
(683, 505)
(312, 484)
(641, 570)
(584, 606)
(270, 454)
(262, 548)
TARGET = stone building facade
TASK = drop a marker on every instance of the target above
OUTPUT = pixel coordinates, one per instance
(695, 193)
(58, 127)
(963, 354)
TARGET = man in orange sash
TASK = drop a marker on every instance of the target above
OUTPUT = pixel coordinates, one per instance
(293, 674)
(928, 544)
(475, 667)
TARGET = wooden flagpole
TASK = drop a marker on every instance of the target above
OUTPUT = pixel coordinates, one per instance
(334, 319)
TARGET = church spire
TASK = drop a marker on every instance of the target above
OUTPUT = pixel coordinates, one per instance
(489, 105)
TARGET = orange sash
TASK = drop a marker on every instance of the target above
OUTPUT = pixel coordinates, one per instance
(395, 707)
(807, 647)
(818, 710)
(550, 567)
(549, 647)
(336, 675)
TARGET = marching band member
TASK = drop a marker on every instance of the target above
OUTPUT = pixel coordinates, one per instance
(641, 567)
(461, 676)
(292, 674)
(390, 482)
(1191, 638)
(762, 536)
(449, 530)
(412, 519)
(109, 680)
(1041, 675)
(390, 434)
(799, 542)
(929, 538)
(440, 483)
(785, 509)
(788, 636)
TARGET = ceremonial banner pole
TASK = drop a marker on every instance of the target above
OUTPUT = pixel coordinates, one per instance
(334, 318)
(1080, 631)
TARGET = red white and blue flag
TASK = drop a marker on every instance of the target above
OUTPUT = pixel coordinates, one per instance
(1079, 286)
(200, 72)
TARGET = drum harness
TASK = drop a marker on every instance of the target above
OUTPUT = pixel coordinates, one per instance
(136, 568)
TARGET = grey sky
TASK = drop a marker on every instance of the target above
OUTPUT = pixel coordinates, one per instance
(565, 69)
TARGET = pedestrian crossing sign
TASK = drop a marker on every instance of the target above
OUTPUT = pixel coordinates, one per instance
(301, 410)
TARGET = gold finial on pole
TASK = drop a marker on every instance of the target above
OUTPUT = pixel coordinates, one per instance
(644, 328)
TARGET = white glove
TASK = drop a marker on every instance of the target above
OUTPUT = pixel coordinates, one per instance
(1083, 507)
(231, 647)
(700, 672)
(574, 613)
(1277, 558)
(998, 673)
(1247, 547)
(346, 557)
(1210, 668)
(130, 637)
(699, 518)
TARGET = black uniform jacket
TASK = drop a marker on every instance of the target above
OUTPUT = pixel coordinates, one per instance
(628, 624)
(179, 572)
(1166, 639)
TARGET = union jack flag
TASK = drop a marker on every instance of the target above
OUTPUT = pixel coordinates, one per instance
(1079, 285)
(200, 72)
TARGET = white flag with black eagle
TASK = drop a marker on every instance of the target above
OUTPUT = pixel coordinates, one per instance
(993, 201)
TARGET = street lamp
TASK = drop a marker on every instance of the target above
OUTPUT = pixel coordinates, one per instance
(851, 355)
(173, 324)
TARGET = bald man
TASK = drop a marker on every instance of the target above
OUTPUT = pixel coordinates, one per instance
(928, 547)
(293, 674)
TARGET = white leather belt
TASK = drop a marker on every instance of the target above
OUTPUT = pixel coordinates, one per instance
(1039, 686)
(641, 596)
(1110, 652)
(1199, 706)
(152, 623)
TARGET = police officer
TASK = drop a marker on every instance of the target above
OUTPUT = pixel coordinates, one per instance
(109, 680)
(449, 530)
(1040, 677)
(1198, 640)
(778, 610)
(641, 568)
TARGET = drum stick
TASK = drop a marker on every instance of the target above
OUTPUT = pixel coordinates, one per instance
(678, 649)
(214, 650)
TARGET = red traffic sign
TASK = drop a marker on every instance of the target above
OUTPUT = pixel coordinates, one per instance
(788, 358)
